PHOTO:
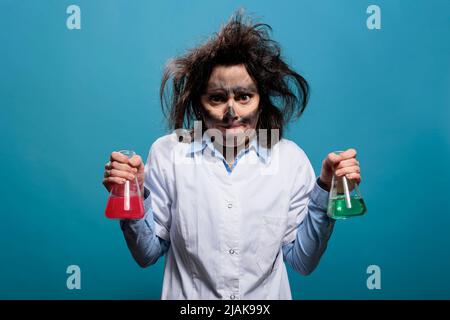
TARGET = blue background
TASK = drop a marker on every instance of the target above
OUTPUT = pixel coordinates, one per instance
(70, 97)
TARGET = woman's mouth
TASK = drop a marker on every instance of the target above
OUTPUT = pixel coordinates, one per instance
(233, 125)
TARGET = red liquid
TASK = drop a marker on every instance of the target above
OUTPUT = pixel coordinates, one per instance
(116, 208)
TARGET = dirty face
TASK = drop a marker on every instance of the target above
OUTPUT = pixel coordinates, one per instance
(231, 103)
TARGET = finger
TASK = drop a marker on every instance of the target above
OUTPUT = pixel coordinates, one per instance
(354, 177)
(348, 163)
(135, 161)
(117, 156)
(332, 159)
(121, 174)
(121, 166)
(343, 171)
(349, 153)
(110, 180)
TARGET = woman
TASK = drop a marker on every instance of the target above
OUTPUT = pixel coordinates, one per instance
(227, 198)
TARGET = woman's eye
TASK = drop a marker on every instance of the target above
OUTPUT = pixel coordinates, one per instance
(244, 98)
(216, 99)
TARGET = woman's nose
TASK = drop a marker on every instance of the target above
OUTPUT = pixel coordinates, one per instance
(230, 114)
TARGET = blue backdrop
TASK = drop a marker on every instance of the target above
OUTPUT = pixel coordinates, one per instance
(70, 97)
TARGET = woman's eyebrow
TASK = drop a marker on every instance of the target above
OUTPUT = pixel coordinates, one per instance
(249, 88)
(221, 90)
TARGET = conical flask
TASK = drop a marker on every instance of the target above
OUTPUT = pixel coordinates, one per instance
(125, 200)
(345, 200)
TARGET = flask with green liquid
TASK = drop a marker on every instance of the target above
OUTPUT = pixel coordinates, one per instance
(345, 200)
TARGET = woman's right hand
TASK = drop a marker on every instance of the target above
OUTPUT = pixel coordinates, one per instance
(121, 168)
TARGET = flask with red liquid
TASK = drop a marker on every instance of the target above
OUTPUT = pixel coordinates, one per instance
(125, 200)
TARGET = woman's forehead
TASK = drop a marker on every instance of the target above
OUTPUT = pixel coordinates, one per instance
(235, 75)
(231, 86)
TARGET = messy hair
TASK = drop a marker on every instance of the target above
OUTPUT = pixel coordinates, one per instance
(283, 92)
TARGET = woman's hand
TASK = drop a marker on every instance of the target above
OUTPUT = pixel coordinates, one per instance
(121, 168)
(343, 164)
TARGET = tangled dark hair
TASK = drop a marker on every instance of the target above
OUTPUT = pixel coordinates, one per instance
(283, 92)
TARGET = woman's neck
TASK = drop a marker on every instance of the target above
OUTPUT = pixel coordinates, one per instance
(230, 153)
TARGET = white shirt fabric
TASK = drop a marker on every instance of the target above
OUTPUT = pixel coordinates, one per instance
(226, 230)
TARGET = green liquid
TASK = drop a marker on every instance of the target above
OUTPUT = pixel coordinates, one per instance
(337, 208)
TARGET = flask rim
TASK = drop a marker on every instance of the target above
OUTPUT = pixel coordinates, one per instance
(128, 153)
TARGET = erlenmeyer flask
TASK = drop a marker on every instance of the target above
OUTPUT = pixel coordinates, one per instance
(345, 200)
(125, 200)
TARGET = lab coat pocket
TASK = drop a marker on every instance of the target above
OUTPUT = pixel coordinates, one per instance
(269, 242)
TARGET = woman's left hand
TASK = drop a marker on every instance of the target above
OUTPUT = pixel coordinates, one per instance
(343, 164)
